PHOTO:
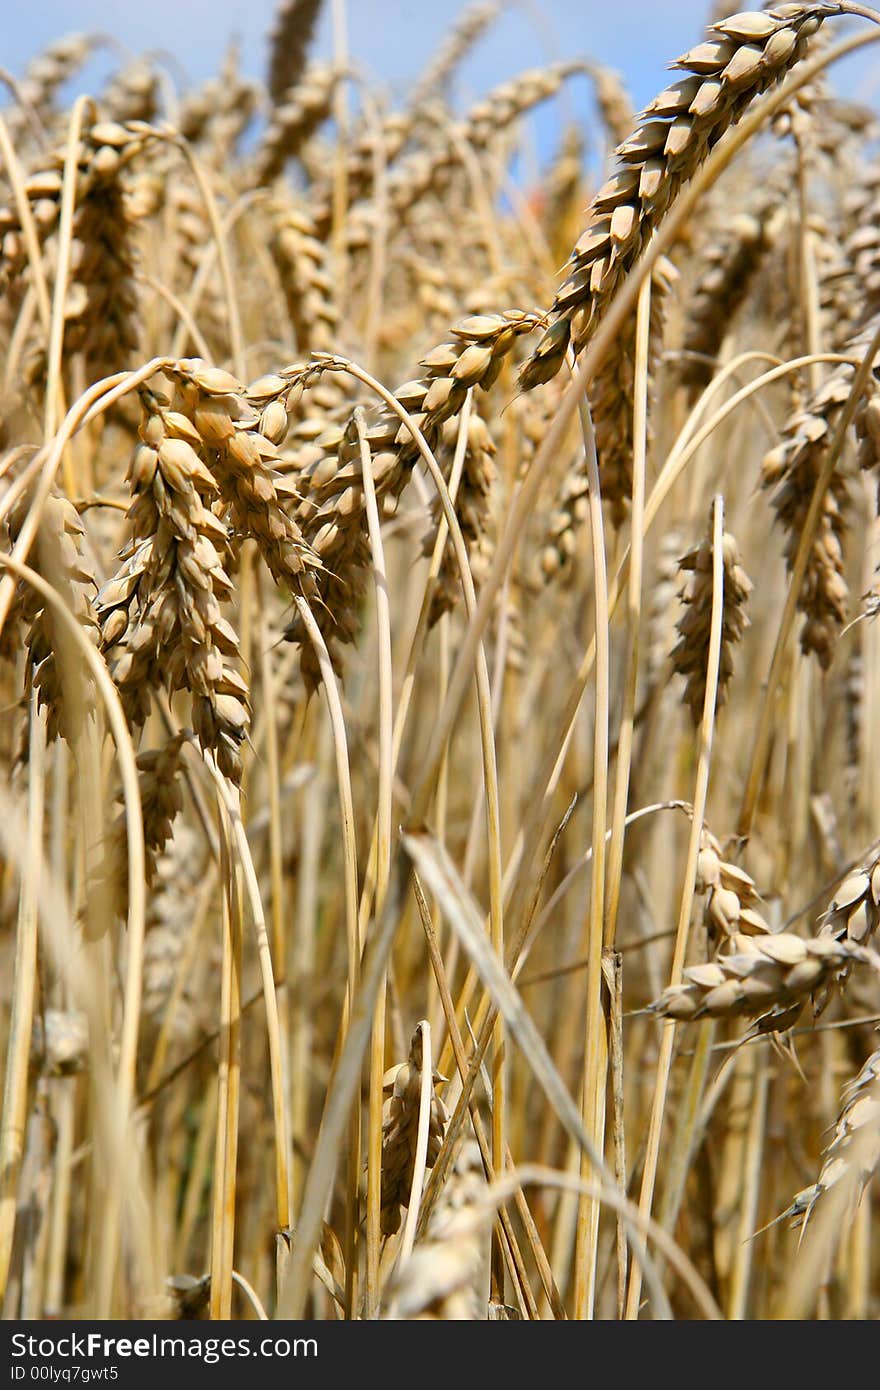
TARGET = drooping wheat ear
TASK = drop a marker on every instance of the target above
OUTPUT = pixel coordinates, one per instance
(742, 57)
(304, 108)
(60, 559)
(792, 468)
(775, 973)
(854, 1152)
(690, 655)
(328, 470)
(473, 505)
(289, 39)
(854, 911)
(303, 266)
(430, 170)
(612, 396)
(468, 29)
(239, 428)
(447, 1275)
(400, 1122)
(132, 94)
(161, 616)
(732, 261)
(102, 309)
(852, 915)
(161, 794)
(731, 894)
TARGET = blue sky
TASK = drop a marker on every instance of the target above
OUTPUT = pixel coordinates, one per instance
(391, 39)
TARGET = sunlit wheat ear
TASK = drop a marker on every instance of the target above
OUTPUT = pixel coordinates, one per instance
(793, 466)
(161, 615)
(852, 1158)
(740, 59)
(770, 976)
(852, 915)
(238, 428)
(731, 894)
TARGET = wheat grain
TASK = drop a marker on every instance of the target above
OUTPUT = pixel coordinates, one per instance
(690, 655)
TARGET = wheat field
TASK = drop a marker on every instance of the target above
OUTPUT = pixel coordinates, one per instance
(440, 822)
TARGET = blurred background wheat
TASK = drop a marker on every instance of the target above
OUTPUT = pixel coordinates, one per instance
(440, 837)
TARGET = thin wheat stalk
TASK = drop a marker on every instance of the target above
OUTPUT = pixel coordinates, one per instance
(228, 796)
(701, 787)
(125, 1082)
(54, 404)
(15, 1089)
(416, 647)
(536, 825)
(28, 226)
(383, 866)
(340, 1095)
(228, 1084)
(595, 1055)
(442, 878)
(595, 1074)
(354, 941)
(754, 1155)
(538, 1253)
